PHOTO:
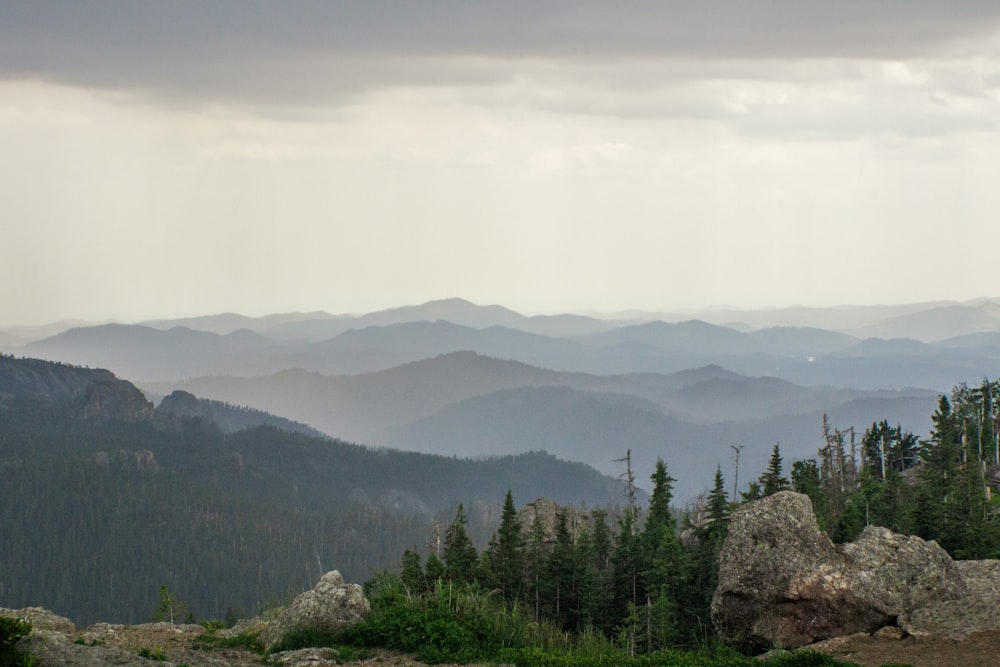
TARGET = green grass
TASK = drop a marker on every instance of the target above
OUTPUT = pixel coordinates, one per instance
(245, 640)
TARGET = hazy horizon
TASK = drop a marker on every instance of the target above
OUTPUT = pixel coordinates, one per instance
(587, 312)
(175, 160)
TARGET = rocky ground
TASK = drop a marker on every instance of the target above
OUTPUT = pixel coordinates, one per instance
(56, 642)
(175, 645)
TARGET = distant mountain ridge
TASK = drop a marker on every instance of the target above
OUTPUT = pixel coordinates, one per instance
(229, 418)
(801, 355)
(464, 403)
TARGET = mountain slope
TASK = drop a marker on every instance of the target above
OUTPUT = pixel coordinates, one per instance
(599, 428)
(938, 323)
(98, 511)
(365, 407)
(228, 418)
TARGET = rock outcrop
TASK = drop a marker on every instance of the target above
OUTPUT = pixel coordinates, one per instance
(325, 610)
(782, 583)
(91, 394)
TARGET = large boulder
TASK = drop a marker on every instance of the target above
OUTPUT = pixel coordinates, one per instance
(899, 574)
(782, 582)
(327, 609)
(958, 618)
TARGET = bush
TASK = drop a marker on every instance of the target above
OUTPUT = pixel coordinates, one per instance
(465, 624)
(453, 624)
(11, 631)
(153, 654)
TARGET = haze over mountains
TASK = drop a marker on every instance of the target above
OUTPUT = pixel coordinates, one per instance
(931, 346)
(456, 378)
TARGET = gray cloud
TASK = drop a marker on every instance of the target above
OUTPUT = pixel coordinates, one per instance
(317, 52)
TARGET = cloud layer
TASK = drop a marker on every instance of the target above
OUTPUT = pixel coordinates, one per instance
(180, 158)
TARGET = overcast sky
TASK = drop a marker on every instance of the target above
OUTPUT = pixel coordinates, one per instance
(183, 158)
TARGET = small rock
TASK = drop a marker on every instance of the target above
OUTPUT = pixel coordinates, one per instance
(306, 657)
(890, 632)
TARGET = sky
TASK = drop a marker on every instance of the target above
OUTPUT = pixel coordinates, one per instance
(184, 158)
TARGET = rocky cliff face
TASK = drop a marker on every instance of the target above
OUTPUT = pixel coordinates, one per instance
(89, 393)
(782, 583)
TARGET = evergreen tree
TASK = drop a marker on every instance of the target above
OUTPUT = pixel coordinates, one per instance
(663, 566)
(805, 479)
(435, 571)
(752, 493)
(772, 480)
(938, 512)
(970, 530)
(506, 556)
(705, 569)
(459, 553)
(562, 578)
(412, 574)
(888, 449)
(535, 565)
(594, 553)
(172, 609)
(627, 586)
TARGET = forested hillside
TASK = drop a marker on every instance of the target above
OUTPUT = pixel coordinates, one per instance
(104, 500)
(645, 582)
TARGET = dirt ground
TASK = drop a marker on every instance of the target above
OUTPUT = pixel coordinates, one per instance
(978, 650)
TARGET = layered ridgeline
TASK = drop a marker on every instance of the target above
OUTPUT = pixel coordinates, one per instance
(106, 498)
(931, 345)
(467, 404)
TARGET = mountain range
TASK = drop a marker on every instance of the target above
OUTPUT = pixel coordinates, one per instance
(458, 378)
(934, 348)
(466, 404)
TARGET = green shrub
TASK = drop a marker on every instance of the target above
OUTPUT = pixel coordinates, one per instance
(11, 631)
(465, 624)
(153, 654)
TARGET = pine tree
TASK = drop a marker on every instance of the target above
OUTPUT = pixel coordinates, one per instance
(805, 479)
(705, 569)
(562, 577)
(535, 564)
(662, 565)
(459, 553)
(772, 480)
(506, 553)
(627, 586)
(888, 449)
(594, 553)
(435, 571)
(412, 574)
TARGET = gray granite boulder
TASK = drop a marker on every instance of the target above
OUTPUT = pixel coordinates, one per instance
(783, 583)
(325, 610)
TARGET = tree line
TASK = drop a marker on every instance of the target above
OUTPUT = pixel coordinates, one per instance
(645, 579)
